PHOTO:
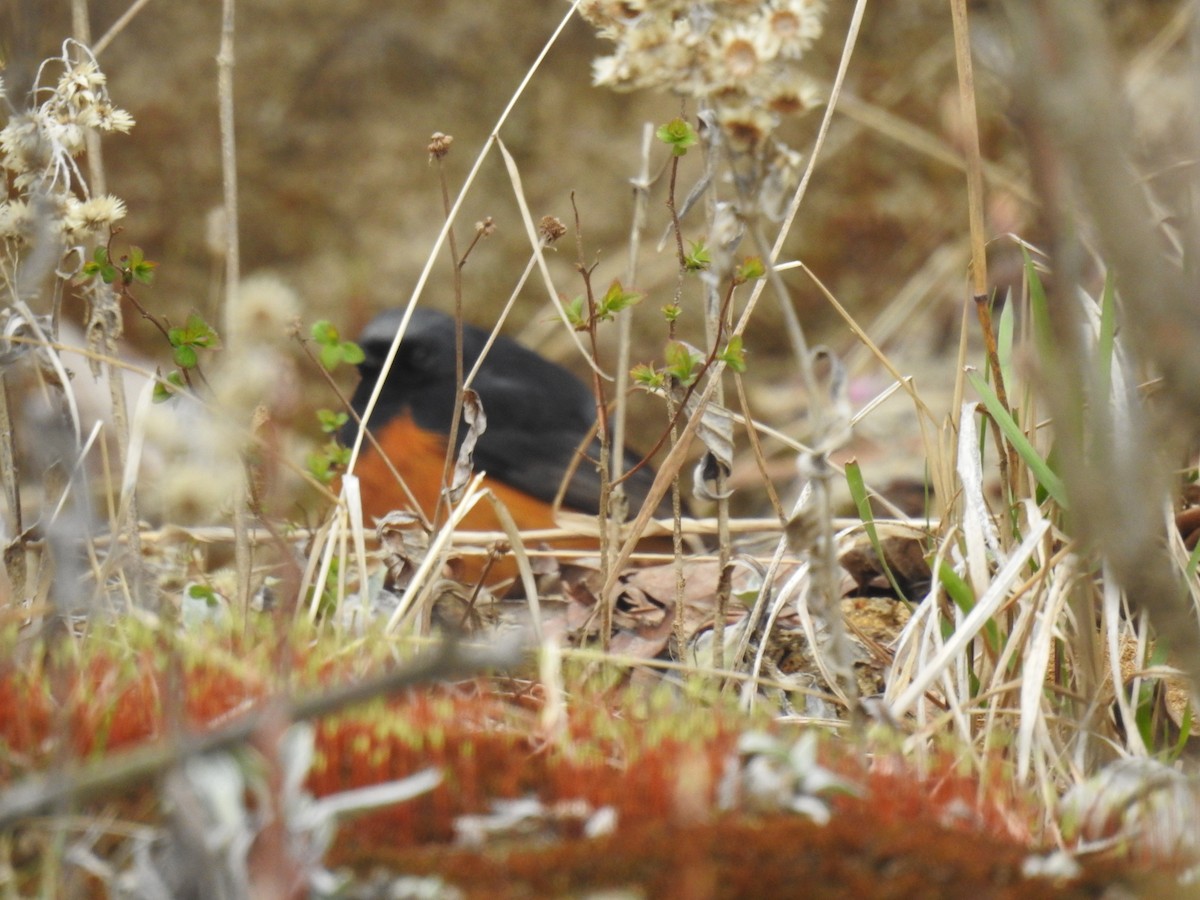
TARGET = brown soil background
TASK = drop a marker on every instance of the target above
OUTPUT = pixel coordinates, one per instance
(336, 102)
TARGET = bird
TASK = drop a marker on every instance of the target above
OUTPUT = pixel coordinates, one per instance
(539, 415)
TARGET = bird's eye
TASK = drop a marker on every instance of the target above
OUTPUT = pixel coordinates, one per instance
(418, 356)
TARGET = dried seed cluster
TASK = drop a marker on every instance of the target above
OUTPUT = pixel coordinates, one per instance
(741, 56)
(38, 148)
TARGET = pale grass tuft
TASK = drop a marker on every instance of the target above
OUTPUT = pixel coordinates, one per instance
(201, 464)
(266, 308)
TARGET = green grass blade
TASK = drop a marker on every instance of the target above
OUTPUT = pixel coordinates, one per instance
(1012, 431)
(858, 491)
(1005, 341)
(963, 597)
(1039, 309)
(1185, 732)
(1193, 561)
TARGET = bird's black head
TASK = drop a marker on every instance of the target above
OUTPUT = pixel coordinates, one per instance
(421, 380)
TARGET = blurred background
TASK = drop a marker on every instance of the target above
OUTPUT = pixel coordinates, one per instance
(336, 103)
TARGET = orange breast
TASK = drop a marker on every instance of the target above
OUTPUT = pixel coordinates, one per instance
(419, 457)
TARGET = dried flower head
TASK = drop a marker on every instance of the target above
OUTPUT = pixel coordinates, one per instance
(244, 381)
(197, 493)
(746, 127)
(265, 309)
(22, 144)
(744, 50)
(439, 145)
(91, 219)
(38, 150)
(200, 467)
(797, 95)
(550, 229)
(732, 54)
(44, 140)
(16, 222)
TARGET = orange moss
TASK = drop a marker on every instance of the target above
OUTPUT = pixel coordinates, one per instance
(733, 857)
(656, 762)
(108, 703)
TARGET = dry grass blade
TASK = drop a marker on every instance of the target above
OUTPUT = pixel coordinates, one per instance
(1076, 124)
(514, 175)
(423, 581)
(997, 593)
(118, 26)
(1015, 634)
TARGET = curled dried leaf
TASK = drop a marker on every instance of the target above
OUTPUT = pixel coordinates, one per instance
(706, 478)
(476, 424)
(834, 386)
(716, 434)
(405, 544)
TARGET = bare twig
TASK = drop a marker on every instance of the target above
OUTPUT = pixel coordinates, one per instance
(81, 26)
(225, 66)
(118, 26)
(438, 148)
(603, 433)
(975, 199)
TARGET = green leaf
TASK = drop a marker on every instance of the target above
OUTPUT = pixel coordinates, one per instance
(352, 353)
(647, 377)
(173, 385)
(325, 463)
(331, 421)
(682, 363)
(1039, 307)
(616, 299)
(1193, 561)
(679, 135)
(671, 312)
(199, 333)
(330, 356)
(1012, 431)
(734, 355)
(963, 597)
(697, 258)
(202, 592)
(574, 310)
(325, 332)
(1185, 731)
(139, 268)
(185, 356)
(1005, 341)
(751, 269)
(318, 466)
(100, 266)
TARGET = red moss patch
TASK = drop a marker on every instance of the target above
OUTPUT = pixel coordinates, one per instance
(733, 857)
(656, 759)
